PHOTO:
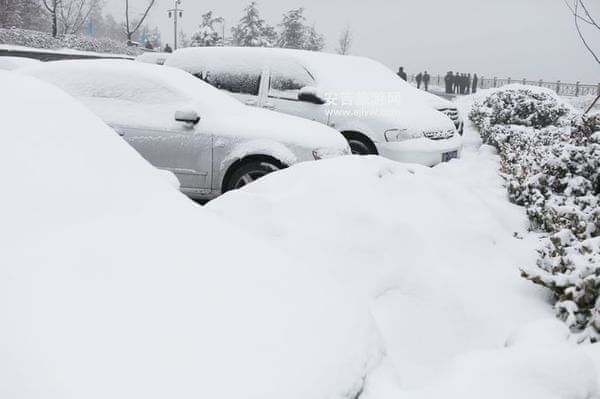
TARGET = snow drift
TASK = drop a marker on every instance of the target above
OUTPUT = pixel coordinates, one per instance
(345, 278)
(115, 285)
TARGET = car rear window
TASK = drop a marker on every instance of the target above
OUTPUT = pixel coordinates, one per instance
(240, 81)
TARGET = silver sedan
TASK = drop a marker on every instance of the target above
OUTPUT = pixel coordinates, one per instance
(210, 141)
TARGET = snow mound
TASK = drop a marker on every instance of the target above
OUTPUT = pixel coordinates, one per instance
(115, 285)
(435, 252)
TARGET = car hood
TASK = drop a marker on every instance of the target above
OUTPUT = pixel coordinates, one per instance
(406, 113)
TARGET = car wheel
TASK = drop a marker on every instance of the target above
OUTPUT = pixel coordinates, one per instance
(248, 173)
(358, 147)
(360, 144)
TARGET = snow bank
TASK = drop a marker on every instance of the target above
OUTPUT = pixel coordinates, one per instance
(115, 285)
(435, 252)
(329, 279)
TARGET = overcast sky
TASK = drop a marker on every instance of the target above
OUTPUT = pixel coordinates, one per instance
(534, 39)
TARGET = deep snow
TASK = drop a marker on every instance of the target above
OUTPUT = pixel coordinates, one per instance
(115, 285)
(324, 280)
(436, 254)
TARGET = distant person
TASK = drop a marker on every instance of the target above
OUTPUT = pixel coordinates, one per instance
(168, 48)
(419, 79)
(469, 81)
(455, 83)
(448, 80)
(426, 79)
(149, 45)
(402, 74)
(475, 82)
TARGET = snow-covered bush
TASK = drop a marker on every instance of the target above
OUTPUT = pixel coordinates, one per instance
(551, 162)
(520, 105)
(42, 40)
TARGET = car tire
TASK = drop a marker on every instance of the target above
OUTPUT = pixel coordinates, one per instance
(359, 144)
(248, 173)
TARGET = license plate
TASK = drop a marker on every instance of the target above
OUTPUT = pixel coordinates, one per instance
(447, 156)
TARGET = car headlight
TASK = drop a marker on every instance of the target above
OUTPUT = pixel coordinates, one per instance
(324, 153)
(401, 135)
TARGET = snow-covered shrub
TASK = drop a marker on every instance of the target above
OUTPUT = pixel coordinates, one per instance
(42, 40)
(520, 105)
(551, 163)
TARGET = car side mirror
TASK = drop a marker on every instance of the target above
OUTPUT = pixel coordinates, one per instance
(310, 95)
(187, 115)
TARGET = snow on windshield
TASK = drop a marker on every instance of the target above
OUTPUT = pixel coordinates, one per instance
(130, 81)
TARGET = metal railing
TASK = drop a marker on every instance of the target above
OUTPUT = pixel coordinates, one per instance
(562, 89)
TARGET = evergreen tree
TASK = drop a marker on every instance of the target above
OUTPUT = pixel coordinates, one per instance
(314, 40)
(207, 35)
(294, 33)
(253, 31)
(293, 29)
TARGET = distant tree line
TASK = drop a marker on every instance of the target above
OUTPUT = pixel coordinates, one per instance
(78, 17)
(72, 17)
(252, 31)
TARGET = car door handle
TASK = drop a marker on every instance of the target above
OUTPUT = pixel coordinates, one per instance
(269, 106)
(250, 101)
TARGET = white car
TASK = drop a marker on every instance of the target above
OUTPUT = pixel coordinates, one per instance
(359, 97)
(10, 63)
(211, 142)
(441, 104)
(153, 58)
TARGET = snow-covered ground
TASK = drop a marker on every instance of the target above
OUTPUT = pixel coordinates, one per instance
(435, 252)
(584, 102)
(345, 278)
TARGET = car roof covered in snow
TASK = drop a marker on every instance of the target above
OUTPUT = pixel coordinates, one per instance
(333, 72)
(81, 72)
(153, 58)
(9, 63)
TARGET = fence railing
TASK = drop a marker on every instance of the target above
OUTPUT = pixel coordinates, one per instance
(562, 89)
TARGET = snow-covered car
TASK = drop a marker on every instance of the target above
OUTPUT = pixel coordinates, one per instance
(211, 142)
(359, 97)
(10, 63)
(441, 104)
(157, 58)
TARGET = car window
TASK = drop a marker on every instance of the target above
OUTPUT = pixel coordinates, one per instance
(240, 80)
(287, 78)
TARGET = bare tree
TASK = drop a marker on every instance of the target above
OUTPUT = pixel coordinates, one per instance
(11, 12)
(133, 25)
(345, 41)
(582, 15)
(53, 6)
(74, 13)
